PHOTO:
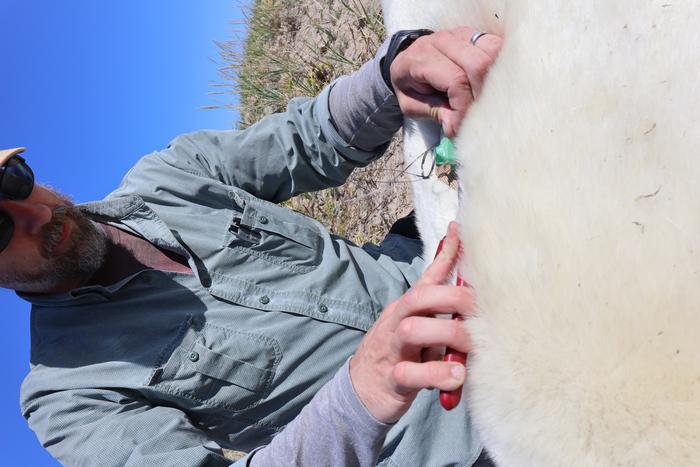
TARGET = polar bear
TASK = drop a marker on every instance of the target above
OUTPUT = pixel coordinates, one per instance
(580, 218)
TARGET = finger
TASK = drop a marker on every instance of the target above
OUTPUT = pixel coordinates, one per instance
(435, 299)
(420, 331)
(411, 376)
(435, 107)
(452, 119)
(417, 105)
(425, 69)
(489, 43)
(440, 270)
(473, 60)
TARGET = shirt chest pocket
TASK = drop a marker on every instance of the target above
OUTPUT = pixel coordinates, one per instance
(218, 367)
(275, 235)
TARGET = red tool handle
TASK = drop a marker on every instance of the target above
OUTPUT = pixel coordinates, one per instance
(450, 399)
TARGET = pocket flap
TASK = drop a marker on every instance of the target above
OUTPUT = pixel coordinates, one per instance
(275, 220)
(222, 367)
(217, 367)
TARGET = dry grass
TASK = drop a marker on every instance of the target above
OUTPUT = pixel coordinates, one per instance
(295, 48)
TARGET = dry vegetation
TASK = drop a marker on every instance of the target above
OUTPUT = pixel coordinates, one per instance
(295, 48)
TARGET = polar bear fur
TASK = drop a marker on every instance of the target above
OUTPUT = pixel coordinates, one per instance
(580, 215)
(420, 135)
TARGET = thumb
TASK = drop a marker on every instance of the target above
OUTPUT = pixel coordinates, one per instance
(444, 263)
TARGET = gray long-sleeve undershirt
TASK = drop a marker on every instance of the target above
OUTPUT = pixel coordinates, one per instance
(365, 111)
(334, 429)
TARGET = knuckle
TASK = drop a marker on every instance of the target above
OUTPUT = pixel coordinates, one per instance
(422, 43)
(414, 296)
(405, 329)
(460, 79)
(482, 63)
(399, 374)
(388, 311)
(460, 82)
(443, 35)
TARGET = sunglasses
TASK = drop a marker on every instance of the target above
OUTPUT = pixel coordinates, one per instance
(16, 183)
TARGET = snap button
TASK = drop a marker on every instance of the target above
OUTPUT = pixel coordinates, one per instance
(323, 308)
(263, 220)
(194, 356)
(264, 299)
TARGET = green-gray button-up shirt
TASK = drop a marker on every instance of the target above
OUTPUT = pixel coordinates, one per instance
(166, 368)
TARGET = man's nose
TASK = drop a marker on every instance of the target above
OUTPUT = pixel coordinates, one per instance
(28, 217)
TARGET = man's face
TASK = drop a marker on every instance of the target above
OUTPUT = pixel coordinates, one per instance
(54, 248)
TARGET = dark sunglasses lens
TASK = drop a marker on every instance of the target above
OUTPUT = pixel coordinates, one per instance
(7, 227)
(17, 179)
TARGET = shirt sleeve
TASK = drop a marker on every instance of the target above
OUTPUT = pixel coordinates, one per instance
(365, 111)
(335, 428)
(110, 428)
(280, 156)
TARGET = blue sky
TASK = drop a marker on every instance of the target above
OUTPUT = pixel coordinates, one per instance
(88, 86)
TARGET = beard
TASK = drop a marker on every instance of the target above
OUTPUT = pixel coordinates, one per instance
(83, 256)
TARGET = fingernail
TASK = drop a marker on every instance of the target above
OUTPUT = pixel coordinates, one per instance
(458, 373)
(444, 127)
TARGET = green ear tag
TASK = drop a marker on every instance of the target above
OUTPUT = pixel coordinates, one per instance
(445, 152)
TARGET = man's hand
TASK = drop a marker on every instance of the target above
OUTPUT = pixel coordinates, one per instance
(392, 362)
(440, 75)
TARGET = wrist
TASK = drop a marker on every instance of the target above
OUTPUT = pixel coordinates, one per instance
(365, 400)
(399, 42)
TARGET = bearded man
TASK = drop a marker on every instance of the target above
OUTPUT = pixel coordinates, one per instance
(188, 313)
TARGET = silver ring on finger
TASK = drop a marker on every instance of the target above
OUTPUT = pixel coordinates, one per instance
(475, 37)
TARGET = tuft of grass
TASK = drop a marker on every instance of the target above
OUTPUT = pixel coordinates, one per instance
(295, 48)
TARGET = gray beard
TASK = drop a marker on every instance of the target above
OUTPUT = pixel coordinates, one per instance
(83, 257)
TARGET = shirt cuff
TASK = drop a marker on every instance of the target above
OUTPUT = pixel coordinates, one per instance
(352, 401)
(364, 110)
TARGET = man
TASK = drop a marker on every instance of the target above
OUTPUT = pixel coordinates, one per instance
(187, 313)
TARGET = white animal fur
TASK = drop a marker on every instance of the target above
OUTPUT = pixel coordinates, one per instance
(581, 222)
(419, 135)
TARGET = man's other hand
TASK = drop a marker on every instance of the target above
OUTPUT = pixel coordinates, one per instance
(397, 357)
(440, 75)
